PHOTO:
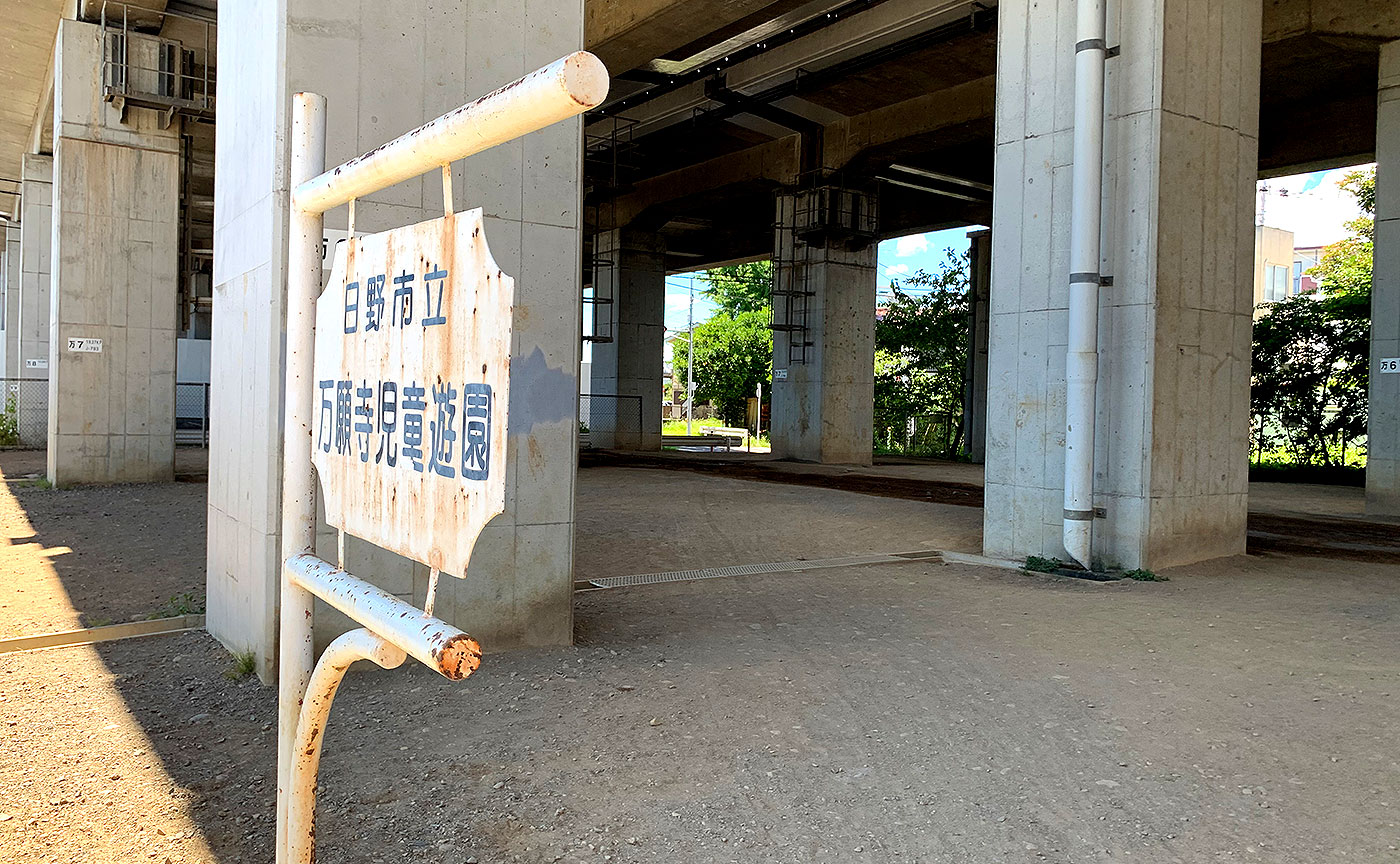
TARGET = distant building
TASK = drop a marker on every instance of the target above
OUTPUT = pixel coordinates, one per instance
(1273, 265)
(1306, 258)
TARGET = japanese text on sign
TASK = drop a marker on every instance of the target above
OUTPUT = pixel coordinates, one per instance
(412, 370)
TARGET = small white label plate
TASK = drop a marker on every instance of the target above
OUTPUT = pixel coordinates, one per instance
(85, 345)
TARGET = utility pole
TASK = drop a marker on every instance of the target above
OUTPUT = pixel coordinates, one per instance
(690, 361)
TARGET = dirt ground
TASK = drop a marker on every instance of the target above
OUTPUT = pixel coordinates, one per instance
(88, 556)
(1246, 710)
(905, 712)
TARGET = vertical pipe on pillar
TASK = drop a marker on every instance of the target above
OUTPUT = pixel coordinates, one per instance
(308, 159)
(1081, 353)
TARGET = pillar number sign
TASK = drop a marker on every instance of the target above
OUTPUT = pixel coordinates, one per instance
(412, 368)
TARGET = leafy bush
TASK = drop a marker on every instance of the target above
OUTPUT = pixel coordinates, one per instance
(9, 423)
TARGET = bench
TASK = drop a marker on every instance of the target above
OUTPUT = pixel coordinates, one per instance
(734, 436)
(711, 441)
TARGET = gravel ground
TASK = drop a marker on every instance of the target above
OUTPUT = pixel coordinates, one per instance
(1244, 711)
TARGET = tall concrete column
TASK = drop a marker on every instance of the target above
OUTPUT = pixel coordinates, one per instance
(1383, 425)
(32, 326)
(975, 379)
(115, 275)
(824, 392)
(1174, 327)
(386, 68)
(14, 366)
(634, 277)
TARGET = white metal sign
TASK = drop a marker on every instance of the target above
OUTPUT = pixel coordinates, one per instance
(36, 363)
(1388, 364)
(85, 345)
(412, 369)
(779, 374)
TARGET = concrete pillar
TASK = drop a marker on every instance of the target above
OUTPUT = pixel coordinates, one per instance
(115, 275)
(1383, 436)
(1175, 325)
(32, 326)
(633, 274)
(14, 366)
(385, 68)
(975, 379)
(824, 393)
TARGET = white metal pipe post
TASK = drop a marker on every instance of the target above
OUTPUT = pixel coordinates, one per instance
(308, 159)
(1082, 348)
(563, 89)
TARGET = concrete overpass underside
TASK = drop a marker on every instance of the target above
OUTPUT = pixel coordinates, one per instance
(918, 90)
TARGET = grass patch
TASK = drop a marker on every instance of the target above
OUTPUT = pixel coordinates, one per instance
(245, 663)
(188, 603)
(1144, 576)
(1036, 564)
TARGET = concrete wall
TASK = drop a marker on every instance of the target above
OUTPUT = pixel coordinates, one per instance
(629, 366)
(1174, 328)
(386, 68)
(1383, 426)
(35, 264)
(822, 411)
(14, 366)
(115, 242)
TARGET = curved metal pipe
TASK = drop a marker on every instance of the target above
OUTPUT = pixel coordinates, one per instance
(311, 726)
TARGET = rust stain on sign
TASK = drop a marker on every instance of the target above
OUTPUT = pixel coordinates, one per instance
(413, 335)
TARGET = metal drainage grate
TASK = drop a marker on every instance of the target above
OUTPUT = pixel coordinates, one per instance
(754, 569)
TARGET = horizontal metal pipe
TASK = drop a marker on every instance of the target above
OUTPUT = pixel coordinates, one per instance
(432, 642)
(567, 87)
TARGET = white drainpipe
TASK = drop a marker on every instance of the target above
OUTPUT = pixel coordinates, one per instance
(1082, 350)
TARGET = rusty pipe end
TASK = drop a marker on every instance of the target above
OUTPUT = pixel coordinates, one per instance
(459, 657)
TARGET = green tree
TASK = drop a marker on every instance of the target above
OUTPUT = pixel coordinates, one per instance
(733, 355)
(740, 288)
(1311, 353)
(921, 345)
(734, 348)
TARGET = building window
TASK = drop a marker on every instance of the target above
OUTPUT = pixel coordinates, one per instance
(1275, 282)
(1297, 276)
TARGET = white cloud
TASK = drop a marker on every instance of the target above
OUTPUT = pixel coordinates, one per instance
(897, 270)
(915, 244)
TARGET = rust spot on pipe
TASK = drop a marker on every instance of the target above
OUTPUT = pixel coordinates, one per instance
(460, 657)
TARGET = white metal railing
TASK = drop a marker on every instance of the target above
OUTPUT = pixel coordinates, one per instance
(151, 71)
(392, 629)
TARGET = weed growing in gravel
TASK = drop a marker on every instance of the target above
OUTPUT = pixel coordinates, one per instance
(245, 663)
(187, 603)
(1036, 564)
(1144, 576)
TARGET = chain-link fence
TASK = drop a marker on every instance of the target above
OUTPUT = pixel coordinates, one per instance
(24, 421)
(192, 413)
(609, 420)
(931, 435)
